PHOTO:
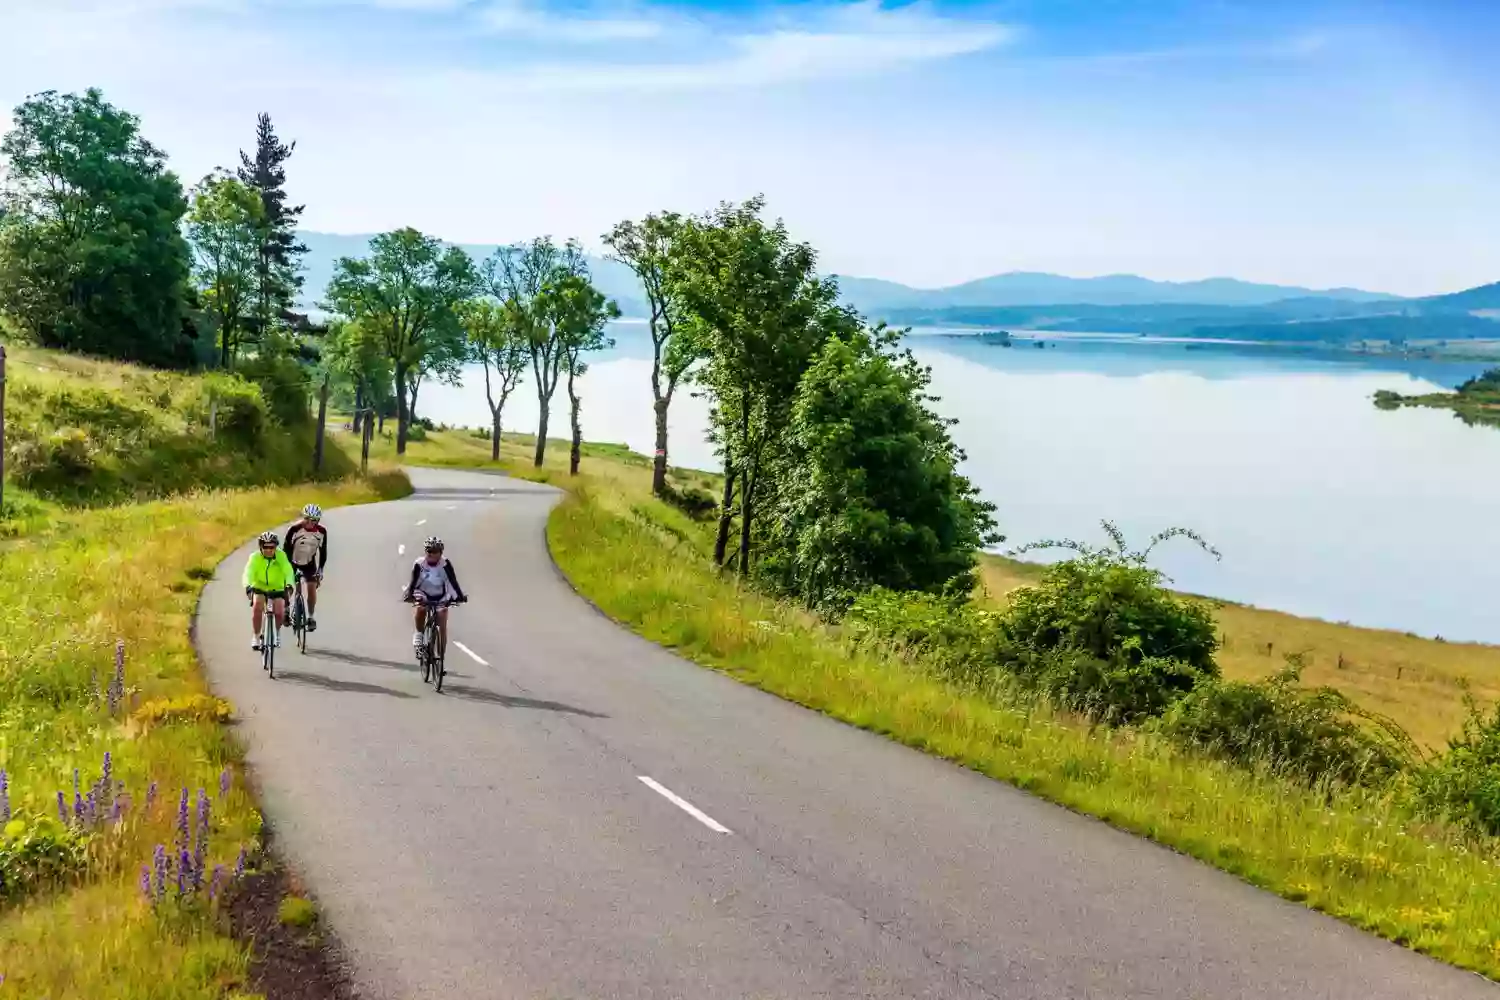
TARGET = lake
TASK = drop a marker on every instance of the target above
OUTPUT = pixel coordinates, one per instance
(1321, 504)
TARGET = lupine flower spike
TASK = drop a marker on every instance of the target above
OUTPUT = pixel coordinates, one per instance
(4, 797)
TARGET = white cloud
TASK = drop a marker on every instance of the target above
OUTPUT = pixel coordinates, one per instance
(518, 17)
(859, 39)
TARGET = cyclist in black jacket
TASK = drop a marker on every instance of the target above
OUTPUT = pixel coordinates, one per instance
(306, 547)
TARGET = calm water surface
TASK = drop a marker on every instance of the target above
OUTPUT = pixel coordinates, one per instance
(1321, 504)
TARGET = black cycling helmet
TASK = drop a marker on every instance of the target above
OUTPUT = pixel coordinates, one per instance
(434, 544)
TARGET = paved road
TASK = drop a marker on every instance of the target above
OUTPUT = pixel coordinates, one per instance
(583, 815)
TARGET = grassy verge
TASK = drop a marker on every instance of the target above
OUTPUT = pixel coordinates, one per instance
(70, 590)
(85, 432)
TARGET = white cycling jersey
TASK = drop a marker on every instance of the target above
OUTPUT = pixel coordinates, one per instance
(433, 582)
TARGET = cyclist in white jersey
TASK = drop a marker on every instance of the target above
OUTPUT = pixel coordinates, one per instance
(306, 547)
(433, 578)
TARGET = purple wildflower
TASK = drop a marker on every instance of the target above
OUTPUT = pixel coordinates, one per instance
(150, 796)
(4, 797)
(216, 882)
(117, 810)
(224, 781)
(62, 808)
(182, 840)
(90, 809)
(184, 871)
(239, 865)
(160, 858)
(146, 882)
(117, 683)
(77, 799)
(200, 847)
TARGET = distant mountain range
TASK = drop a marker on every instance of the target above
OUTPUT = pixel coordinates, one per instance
(1021, 288)
(1123, 303)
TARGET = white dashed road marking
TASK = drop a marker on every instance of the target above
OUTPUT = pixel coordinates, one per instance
(401, 550)
(684, 805)
(472, 655)
(422, 522)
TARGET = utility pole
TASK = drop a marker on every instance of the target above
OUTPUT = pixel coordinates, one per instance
(322, 421)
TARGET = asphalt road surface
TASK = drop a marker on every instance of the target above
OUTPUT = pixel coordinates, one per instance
(583, 815)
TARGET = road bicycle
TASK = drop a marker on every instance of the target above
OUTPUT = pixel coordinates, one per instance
(428, 657)
(267, 634)
(298, 613)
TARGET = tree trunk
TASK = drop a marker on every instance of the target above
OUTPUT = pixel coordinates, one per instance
(659, 463)
(495, 436)
(576, 452)
(541, 438)
(726, 515)
(359, 406)
(402, 413)
(746, 496)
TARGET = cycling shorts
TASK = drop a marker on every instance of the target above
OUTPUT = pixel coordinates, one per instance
(308, 572)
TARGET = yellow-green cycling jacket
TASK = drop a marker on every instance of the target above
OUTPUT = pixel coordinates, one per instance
(271, 576)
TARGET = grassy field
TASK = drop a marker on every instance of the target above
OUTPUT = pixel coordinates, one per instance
(69, 592)
(1357, 855)
(1418, 682)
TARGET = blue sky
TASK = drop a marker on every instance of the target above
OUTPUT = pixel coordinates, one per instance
(1313, 143)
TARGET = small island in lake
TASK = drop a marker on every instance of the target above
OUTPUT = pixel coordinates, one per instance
(1475, 402)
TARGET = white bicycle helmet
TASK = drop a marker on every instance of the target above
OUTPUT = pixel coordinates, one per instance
(434, 544)
(312, 512)
(269, 538)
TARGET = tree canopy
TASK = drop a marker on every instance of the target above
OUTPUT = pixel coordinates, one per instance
(92, 256)
(407, 293)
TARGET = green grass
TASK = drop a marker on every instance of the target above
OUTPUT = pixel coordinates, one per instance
(82, 432)
(70, 589)
(297, 911)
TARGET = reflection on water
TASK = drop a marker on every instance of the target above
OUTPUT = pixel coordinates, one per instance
(1321, 504)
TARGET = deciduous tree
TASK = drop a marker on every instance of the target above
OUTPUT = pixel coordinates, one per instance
(579, 313)
(647, 248)
(499, 343)
(224, 226)
(92, 256)
(521, 276)
(763, 314)
(408, 293)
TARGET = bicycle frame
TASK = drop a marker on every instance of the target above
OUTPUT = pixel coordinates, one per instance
(432, 661)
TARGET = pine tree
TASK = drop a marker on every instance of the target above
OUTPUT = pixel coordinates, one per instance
(278, 277)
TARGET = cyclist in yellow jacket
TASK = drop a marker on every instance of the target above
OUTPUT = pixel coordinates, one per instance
(268, 576)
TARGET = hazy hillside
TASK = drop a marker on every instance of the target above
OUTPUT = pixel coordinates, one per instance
(614, 280)
(1019, 288)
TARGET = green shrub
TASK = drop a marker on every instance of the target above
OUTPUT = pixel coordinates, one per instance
(1312, 735)
(961, 641)
(239, 411)
(416, 432)
(35, 855)
(1463, 783)
(1109, 603)
(694, 501)
(284, 384)
(1117, 691)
